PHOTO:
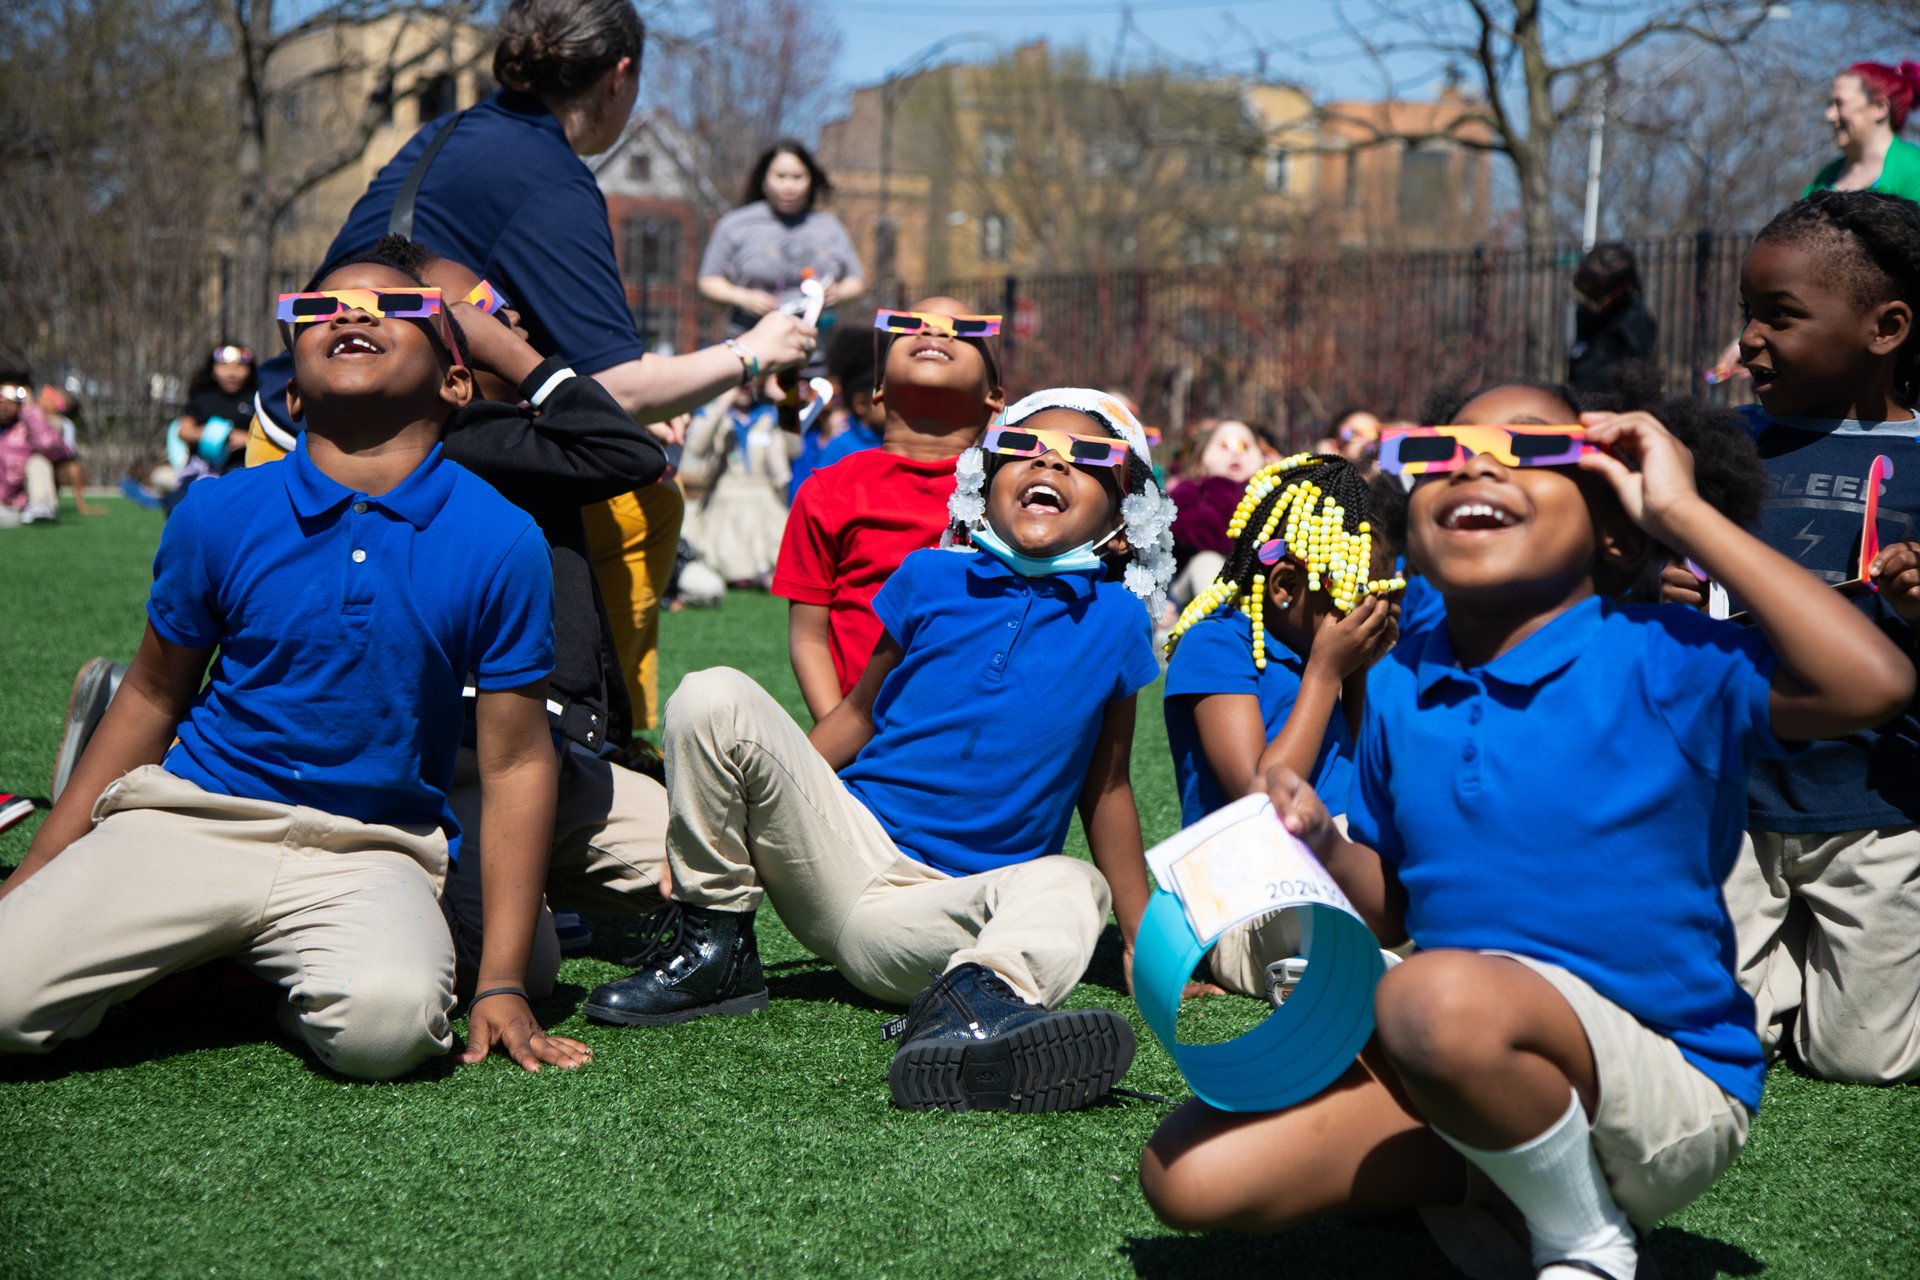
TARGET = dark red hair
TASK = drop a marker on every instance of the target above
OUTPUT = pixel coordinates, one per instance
(1897, 86)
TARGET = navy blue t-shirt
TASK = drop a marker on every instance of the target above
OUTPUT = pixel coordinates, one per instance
(508, 198)
(983, 734)
(1580, 800)
(1216, 656)
(1813, 514)
(347, 625)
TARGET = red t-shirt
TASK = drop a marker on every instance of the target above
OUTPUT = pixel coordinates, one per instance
(849, 528)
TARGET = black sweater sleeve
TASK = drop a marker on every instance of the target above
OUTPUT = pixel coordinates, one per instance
(579, 448)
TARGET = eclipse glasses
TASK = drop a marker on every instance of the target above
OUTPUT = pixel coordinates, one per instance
(1425, 451)
(937, 325)
(296, 309)
(1091, 451)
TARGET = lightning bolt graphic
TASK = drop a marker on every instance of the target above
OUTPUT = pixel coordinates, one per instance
(1812, 539)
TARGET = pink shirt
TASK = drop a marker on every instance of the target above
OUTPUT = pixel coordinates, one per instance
(31, 434)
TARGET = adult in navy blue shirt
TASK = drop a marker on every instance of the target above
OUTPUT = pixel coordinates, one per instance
(507, 195)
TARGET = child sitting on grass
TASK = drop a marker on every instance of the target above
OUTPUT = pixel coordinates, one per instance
(299, 821)
(855, 520)
(1549, 790)
(1823, 896)
(1000, 696)
(1268, 664)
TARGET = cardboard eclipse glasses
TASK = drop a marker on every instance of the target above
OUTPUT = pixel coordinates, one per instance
(936, 324)
(296, 309)
(1422, 451)
(1021, 442)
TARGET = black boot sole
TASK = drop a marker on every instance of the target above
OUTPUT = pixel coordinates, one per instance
(734, 1008)
(1060, 1063)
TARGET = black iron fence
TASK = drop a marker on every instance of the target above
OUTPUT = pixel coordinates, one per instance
(1290, 342)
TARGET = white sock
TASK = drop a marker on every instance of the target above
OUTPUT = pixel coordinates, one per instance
(1556, 1182)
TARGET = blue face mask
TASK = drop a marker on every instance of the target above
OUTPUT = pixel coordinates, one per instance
(1079, 560)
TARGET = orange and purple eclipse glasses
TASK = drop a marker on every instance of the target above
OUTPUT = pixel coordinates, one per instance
(1425, 451)
(936, 324)
(296, 309)
(1091, 451)
(486, 297)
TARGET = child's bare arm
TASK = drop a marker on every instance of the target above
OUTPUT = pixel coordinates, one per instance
(849, 726)
(1343, 650)
(519, 777)
(1232, 736)
(1837, 673)
(1370, 885)
(812, 654)
(1112, 823)
(137, 729)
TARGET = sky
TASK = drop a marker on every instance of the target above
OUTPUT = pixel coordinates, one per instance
(1302, 38)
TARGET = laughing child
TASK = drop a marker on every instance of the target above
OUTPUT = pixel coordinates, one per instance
(1825, 910)
(855, 520)
(293, 814)
(1548, 792)
(916, 833)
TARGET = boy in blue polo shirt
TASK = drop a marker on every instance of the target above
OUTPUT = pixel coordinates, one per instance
(298, 821)
(1548, 792)
(1000, 696)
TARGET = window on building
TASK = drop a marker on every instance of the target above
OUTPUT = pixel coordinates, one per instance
(650, 249)
(1425, 172)
(1353, 178)
(290, 109)
(996, 152)
(1209, 167)
(996, 238)
(1277, 171)
(640, 166)
(438, 95)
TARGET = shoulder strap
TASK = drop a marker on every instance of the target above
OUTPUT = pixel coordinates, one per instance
(401, 223)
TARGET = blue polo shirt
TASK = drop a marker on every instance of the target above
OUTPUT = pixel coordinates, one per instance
(983, 734)
(507, 197)
(1422, 607)
(347, 625)
(1579, 800)
(1216, 656)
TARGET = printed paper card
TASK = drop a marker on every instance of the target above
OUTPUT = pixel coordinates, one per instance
(1239, 863)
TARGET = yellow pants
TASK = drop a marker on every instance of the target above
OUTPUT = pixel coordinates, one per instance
(634, 539)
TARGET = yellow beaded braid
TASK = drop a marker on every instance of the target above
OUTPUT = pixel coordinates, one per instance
(1315, 535)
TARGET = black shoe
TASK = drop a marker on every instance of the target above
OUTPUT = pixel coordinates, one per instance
(970, 1043)
(695, 962)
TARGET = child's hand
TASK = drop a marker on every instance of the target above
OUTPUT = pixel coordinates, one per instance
(1896, 571)
(1653, 472)
(1345, 645)
(1300, 809)
(495, 348)
(1679, 586)
(506, 1020)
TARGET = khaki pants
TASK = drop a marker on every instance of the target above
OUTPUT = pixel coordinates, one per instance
(634, 539)
(609, 854)
(755, 810)
(1830, 925)
(341, 914)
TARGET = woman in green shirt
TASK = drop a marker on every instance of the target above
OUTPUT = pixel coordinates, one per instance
(1868, 109)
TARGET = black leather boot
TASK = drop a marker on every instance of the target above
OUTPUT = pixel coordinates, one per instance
(970, 1043)
(695, 962)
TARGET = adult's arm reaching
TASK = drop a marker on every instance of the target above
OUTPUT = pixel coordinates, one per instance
(655, 388)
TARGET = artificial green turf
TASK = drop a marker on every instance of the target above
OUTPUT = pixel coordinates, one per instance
(753, 1146)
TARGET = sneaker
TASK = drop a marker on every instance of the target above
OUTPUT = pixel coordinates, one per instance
(1282, 977)
(93, 689)
(970, 1043)
(575, 938)
(12, 809)
(135, 492)
(39, 512)
(696, 962)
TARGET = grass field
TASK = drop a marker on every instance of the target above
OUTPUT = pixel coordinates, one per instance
(198, 1146)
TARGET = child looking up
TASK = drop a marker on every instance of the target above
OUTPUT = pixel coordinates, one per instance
(1548, 792)
(1824, 906)
(294, 814)
(855, 520)
(916, 833)
(1268, 665)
